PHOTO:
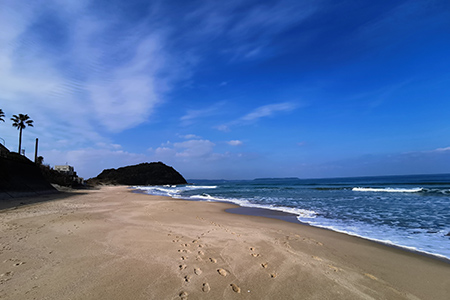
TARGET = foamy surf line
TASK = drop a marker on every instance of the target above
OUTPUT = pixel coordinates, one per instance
(303, 216)
(175, 192)
(244, 203)
(389, 243)
(388, 190)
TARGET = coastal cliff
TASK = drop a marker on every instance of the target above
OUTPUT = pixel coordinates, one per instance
(155, 173)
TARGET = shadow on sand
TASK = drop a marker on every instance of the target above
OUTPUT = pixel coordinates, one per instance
(13, 203)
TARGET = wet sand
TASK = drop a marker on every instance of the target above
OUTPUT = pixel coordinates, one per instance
(115, 244)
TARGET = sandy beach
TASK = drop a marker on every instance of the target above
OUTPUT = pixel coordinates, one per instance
(113, 243)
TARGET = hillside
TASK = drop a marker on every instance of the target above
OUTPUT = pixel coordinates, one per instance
(155, 173)
(21, 177)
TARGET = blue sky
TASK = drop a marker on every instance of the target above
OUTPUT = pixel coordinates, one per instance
(231, 89)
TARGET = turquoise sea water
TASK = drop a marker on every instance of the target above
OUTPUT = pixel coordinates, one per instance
(407, 211)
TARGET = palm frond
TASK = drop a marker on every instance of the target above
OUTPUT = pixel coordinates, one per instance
(21, 121)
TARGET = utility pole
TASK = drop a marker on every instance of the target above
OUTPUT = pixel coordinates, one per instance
(36, 151)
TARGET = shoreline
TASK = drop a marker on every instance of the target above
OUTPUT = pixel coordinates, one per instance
(114, 243)
(292, 218)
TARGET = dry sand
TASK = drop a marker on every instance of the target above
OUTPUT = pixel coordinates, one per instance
(115, 244)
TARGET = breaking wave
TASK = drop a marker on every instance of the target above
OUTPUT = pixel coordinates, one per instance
(388, 190)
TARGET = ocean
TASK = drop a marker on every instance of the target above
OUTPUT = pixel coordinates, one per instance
(411, 212)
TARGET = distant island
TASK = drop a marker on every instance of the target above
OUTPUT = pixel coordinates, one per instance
(277, 178)
(155, 173)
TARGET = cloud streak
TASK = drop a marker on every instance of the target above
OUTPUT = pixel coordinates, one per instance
(194, 115)
(258, 113)
(81, 73)
(249, 29)
(268, 110)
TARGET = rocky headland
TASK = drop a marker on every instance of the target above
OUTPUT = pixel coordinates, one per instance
(154, 173)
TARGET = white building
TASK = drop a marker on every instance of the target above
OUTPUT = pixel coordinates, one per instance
(66, 169)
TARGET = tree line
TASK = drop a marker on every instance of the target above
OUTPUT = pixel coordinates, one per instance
(20, 121)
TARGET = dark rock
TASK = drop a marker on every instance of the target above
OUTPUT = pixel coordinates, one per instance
(155, 173)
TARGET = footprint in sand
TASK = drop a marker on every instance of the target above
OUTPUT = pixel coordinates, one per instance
(235, 288)
(206, 288)
(335, 269)
(222, 272)
(183, 295)
(182, 267)
(213, 260)
(187, 278)
(201, 252)
(197, 271)
(264, 265)
(6, 277)
(371, 276)
(255, 254)
(184, 257)
(273, 275)
(252, 249)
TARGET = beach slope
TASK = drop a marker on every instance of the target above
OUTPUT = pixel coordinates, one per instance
(115, 244)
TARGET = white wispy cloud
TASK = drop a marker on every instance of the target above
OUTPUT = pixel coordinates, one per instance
(202, 149)
(235, 143)
(190, 137)
(259, 113)
(441, 149)
(192, 115)
(223, 127)
(402, 21)
(194, 148)
(89, 73)
(268, 110)
(82, 74)
(202, 158)
(249, 29)
(103, 158)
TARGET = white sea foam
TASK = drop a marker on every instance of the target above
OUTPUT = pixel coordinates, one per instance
(388, 190)
(159, 190)
(303, 213)
(386, 235)
(172, 190)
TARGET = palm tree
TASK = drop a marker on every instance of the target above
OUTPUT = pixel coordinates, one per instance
(21, 121)
(2, 115)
